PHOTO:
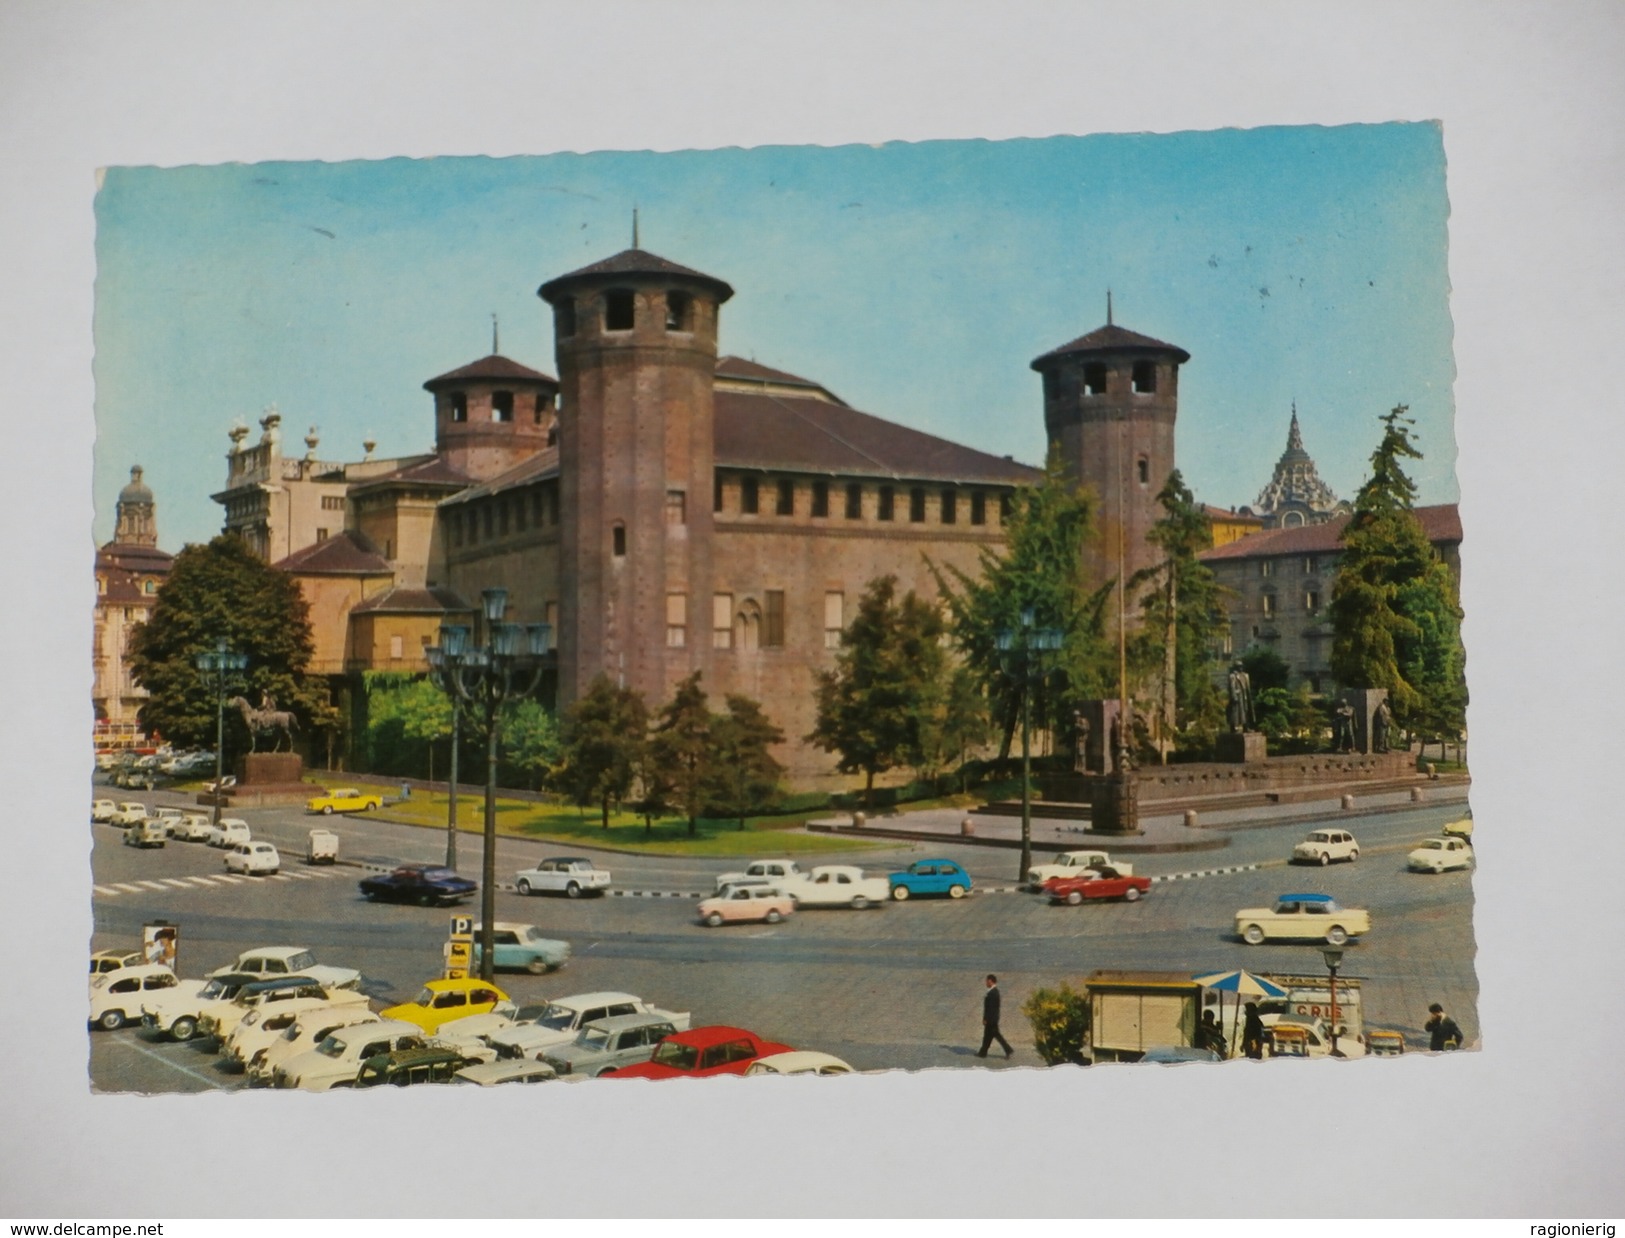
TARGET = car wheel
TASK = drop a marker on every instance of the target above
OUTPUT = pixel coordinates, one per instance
(714, 919)
(1253, 935)
(900, 893)
(369, 806)
(425, 900)
(608, 1070)
(536, 967)
(773, 916)
(1325, 858)
(956, 891)
(1074, 897)
(1354, 855)
(859, 903)
(112, 1020)
(184, 1028)
(524, 886)
(1336, 935)
(1132, 894)
(573, 890)
(327, 810)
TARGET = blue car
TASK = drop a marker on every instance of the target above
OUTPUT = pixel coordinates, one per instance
(523, 946)
(425, 884)
(930, 877)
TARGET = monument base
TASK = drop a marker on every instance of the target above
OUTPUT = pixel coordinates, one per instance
(1115, 806)
(268, 778)
(1243, 747)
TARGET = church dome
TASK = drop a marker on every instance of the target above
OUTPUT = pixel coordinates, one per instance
(137, 491)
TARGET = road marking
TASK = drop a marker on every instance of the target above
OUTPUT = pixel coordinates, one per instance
(175, 881)
(105, 890)
(128, 888)
(202, 881)
(152, 885)
(657, 894)
(228, 879)
(135, 1044)
(280, 877)
(1208, 872)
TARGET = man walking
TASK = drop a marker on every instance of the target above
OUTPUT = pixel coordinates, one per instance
(990, 1019)
(1443, 1033)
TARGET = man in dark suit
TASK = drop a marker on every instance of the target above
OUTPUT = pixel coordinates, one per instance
(990, 1019)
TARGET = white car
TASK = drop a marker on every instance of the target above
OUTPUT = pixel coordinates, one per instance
(489, 1074)
(177, 1009)
(561, 1020)
(101, 811)
(336, 1060)
(569, 875)
(799, 1062)
(1324, 846)
(1438, 854)
(194, 827)
(231, 832)
(129, 813)
(274, 962)
(309, 1030)
(839, 885)
(262, 1028)
(219, 1019)
(1308, 1038)
(1072, 864)
(758, 872)
(170, 818)
(261, 858)
(116, 996)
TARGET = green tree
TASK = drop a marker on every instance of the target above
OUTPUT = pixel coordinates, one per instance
(222, 590)
(1265, 669)
(405, 717)
(530, 737)
(681, 746)
(1060, 1023)
(874, 707)
(959, 727)
(1395, 616)
(604, 734)
(1041, 570)
(744, 776)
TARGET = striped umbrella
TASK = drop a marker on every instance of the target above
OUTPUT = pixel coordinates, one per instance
(1243, 984)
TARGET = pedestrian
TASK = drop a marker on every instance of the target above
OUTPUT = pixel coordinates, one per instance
(1252, 1032)
(1443, 1032)
(990, 1019)
(1210, 1035)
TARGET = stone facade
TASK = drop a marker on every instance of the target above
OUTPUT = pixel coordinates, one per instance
(130, 570)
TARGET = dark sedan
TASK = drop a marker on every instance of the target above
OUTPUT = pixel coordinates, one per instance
(426, 884)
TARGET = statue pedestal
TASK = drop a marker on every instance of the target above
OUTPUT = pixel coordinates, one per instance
(1115, 805)
(267, 778)
(1240, 747)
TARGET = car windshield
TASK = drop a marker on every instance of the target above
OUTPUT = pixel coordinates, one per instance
(332, 1046)
(593, 1038)
(301, 960)
(437, 874)
(1432, 844)
(425, 998)
(677, 1055)
(559, 1018)
(216, 988)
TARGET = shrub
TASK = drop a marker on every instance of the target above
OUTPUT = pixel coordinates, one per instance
(1060, 1023)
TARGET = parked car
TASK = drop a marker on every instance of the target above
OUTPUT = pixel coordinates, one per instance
(220, 1018)
(231, 832)
(1462, 827)
(770, 872)
(608, 1045)
(1096, 883)
(562, 1019)
(1324, 846)
(116, 996)
(737, 904)
(148, 832)
(129, 813)
(522, 946)
(337, 1058)
(440, 1001)
(260, 1029)
(112, 960)
(309, 1030)
(176, 1010)
(701, 1052)
(260, 858)
(101, 811)
(271, 962)
(403, 1067)
(169, 818)
(570, 875)
(838, 885)
(1308, 1038)
(509, 1070)
(194, 827)
(426, 884)
(1071, 863)
(930, 877)
(1173, 1054)
(1438, 854)
(472, 1033)
(344, 799)
(799, 1062)
(1302, 917)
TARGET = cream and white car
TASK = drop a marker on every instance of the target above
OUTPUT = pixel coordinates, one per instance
(116, 996)
(309, 1030)
(129, 813)
(799, 1062)
(101, 811)
(838, 885)
(1302, 917)
(260, 859)
(560, 1020)
(219, 1019)
(261, 1028)
(336, 1060)
(274, 962)
(1072, 864)
(1324, 846)
(1436, 855)
(194, 827)
(231, 832)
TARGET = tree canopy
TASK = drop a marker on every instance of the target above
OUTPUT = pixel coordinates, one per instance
(744, 774)
(604, 734)
(681, 747)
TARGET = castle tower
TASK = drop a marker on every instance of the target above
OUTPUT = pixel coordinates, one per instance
(137, 523)
(1110, 400)
(636, 341)
(491, 414)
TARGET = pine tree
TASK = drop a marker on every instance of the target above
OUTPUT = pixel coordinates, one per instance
(604, 737)
(744, 774)
(682, 746)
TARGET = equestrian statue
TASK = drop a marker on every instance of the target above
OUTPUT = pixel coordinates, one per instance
(266, 720)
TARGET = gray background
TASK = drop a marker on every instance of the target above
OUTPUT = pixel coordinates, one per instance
(1530, 98)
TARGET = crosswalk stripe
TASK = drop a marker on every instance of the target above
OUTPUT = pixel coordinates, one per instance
(174, 881)
(202, 881)
(153, 885)
(280, 877)
(128, 888)
(105, 890)
(228, 879)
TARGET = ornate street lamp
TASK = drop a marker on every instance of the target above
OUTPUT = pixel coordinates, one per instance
(1333, 959)
(1024, 653)
(444, 661)
(508, 663)
(220, 661)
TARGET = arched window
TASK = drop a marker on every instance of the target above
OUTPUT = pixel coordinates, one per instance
(748, 626)
(502, 406)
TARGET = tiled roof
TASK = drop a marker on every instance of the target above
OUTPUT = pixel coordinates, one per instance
(1111, 339)
(122, 587)
(428, 471)
(495, 367)
(1233, 517)
(815, 436)
(1441, 523)
(135, 558)
(344, 554)
(542, 465)
(633, 262)
(404, 601)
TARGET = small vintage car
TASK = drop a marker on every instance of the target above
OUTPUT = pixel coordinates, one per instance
(425, 884)
(570, 875)
(176, 1010)
(609, 1045)
(1096, 883)
(258, 858)
(321, 847)
(1439, 854)
(271, 962)
(112, 960)
(1324, 846)
(101, 811)
(930, 877)
(260, 1029)
(309, 1030)
(1462, 827)
(762, 872)
(129, 813)
(231, 832)
(146, 833)
(116, 996)
(743, 904)
(344, 799)
(509, 1070)
(838, 885)
(703, 1051)
(1070, 864)
(799, 1062)
(220, 1018)
(1302, 917)
(441, 1001)
(403, 1067)
(194, 827)
(522, 946)
(561, 1020)
(337, 1058)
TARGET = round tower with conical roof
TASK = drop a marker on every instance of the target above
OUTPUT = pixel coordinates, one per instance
(491, 414)
(636, 343)
(1110, 401)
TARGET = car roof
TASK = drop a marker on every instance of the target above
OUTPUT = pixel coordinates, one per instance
(506, 925)
(280, 982)
(504, 1068)
(1306, 898)
(837, 868)
(442, 985)
(141, 969)
(569, 859)
(618, 1021)
(799, 1059)
(577, 1000)
(700, 1037)
(273, 952)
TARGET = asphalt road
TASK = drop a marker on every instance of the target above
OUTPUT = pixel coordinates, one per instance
(895, 986)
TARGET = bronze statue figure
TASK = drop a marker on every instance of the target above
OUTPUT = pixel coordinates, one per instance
(266, 720)
(1239, 711)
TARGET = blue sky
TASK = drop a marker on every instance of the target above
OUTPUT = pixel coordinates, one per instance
(917, 281)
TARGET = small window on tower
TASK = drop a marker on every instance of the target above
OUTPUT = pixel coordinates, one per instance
(888, 500)
(564, 318)
(950, 506)
(916, 505)
(618, 310)
(1145, 377)
(618, 540)
(1266, 604)
(502, 406)
(820, 498)
(1311, 601)
(321, 536)
(679, 311)
(834, 608)
(748, 498)
(787, 497)
(1143, 468)
(459, 406)
(978, 507)
(854, 501)
(1094, 378)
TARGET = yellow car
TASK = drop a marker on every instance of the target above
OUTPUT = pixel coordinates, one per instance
(345, 799)
(444, 1000)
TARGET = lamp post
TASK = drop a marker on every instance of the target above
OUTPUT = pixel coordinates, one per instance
(219, 662)
(484, 675)
(1022, 652)
(444, 661)
(1333, 959)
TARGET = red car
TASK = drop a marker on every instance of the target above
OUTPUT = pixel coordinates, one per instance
(703, 1051)
(1096, 883)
